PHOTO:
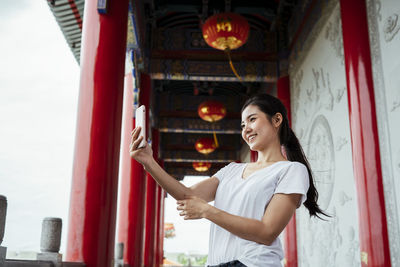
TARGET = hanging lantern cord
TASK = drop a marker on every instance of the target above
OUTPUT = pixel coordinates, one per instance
(228, 52)
(214, 134)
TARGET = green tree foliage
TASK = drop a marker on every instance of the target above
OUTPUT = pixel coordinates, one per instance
(192, 260)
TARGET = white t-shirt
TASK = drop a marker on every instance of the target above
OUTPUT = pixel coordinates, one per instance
(249, 198)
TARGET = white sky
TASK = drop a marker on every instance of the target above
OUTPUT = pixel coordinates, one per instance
(38, 99)
(39, 83)
(192, 235)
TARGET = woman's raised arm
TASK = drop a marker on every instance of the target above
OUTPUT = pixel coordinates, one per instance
(204, 190)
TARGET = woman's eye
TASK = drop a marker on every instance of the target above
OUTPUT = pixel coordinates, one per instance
(252, 119)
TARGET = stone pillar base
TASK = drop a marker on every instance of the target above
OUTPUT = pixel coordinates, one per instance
(3, 253)
(54, 257)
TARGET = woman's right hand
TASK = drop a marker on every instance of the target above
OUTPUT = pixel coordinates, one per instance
(142, 155)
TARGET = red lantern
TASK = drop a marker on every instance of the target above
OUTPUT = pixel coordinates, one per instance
(226, 31)
(211, 111)
(201, 166)
(205, 145)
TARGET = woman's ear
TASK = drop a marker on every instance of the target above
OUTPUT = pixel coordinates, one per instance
(277, 119)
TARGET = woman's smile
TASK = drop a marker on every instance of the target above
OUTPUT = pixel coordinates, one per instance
(251, 137)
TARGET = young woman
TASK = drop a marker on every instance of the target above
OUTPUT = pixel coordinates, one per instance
(253, 201)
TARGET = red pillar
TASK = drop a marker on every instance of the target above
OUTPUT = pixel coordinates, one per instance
(158, 224)
(95, 171)
(160, 228)
(159, 220)
(132, 191)
(283, 93)
(374, 243)
(151, 211)
(253, 156)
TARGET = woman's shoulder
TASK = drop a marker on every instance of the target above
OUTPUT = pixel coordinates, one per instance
(292, 166)
(297, 164)
(229, 170)
(234, 165)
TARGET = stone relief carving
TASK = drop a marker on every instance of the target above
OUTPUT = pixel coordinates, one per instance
(354, 249)
(391, 27)
(398, 161)
(322, 159)
(322, 81)
(340, 143)
(300, 133)
(396, 103)
(330, 99)
(316, 77)
(343, 199)
(296, 81)
(339, 94)
(325, 236)
(310, 92)
(318, 95)
(378, 6)
(333, 33)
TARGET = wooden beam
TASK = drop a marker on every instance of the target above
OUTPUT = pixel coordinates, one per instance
(191, 114)
(213, 55)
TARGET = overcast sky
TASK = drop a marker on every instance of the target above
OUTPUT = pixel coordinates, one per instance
(38, 101)
(39, 83)
(191, 236)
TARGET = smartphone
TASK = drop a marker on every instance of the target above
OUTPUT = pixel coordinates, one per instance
(140, 120)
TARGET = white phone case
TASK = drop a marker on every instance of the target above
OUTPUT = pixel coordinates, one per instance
(140, 120)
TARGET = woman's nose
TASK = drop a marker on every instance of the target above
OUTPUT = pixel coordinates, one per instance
(246, 128)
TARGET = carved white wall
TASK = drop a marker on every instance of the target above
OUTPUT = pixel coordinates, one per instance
(321, 121)
(384, 32)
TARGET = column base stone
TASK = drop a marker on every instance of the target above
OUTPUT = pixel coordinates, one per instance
(54, 257)
(3, 253)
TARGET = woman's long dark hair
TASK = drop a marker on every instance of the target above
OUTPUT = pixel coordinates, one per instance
(271, 105)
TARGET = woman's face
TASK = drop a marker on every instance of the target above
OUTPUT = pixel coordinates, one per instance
(257, 130)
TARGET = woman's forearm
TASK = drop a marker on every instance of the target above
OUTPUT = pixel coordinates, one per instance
(246, 228)
(173, 187)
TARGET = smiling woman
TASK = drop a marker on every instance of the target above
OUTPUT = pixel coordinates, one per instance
(38, 99)
(253, 202)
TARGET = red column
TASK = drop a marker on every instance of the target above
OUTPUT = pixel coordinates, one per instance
(132, 191)
(151, 211)
(158, 224)
(364, 135)
(253, 156)
(283, 93)
(159, 212)
(95, 171)
(160, 227)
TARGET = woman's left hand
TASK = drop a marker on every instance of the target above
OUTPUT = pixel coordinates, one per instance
(192, 208)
